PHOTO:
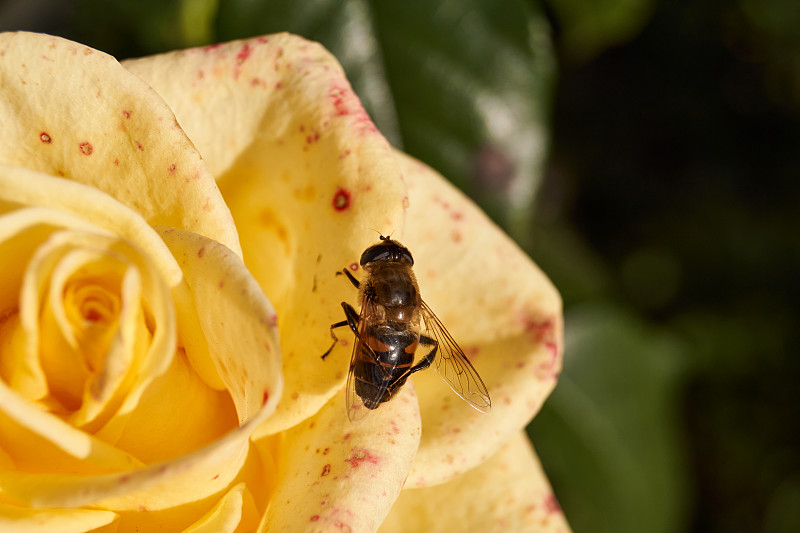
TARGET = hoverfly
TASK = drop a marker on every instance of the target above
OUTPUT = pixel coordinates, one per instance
(393, 322)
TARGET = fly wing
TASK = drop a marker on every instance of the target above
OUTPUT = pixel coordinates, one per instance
(453, 366)
(363, 356)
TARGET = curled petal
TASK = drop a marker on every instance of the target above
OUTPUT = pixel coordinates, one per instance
(509, 492)
(126, 141)
(189, 478)
(226, 515)
(236, 320)
(497, 305)
(90, 209)
(343, 476)
(25, 520)
(308, 179)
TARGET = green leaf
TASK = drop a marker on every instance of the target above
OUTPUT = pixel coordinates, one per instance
(463, 85)
(610, 434)
(588, 27)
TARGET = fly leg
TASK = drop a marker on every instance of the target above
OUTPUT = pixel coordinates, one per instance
(424, 340)
(349, 312)
(352, 278)
(352, 321)
(422, 365)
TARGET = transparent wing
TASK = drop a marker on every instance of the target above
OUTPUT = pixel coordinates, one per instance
(362, 353)
(453, 366)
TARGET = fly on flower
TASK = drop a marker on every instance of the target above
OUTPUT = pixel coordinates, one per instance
(393, 322)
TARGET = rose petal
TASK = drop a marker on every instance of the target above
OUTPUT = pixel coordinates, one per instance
(23, 187)
(191, 477)
(224, 505)
(499, 307)
(21, 232)
(37, 436)
(75, 112)
(509, 492)
(126, 371)
(176, 403)
(236, 321)
(224, 517)
(34, 439)
(91, 209)
(23, 520)
(343, 476)
(308, 179)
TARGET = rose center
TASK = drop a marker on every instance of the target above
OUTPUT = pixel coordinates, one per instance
(80, 322)
(93, 312)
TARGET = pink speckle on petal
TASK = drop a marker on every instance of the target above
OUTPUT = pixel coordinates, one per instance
(551, 504)
(344, 527)
(326, 470)
(86, 148)
(341, 100)
(472, 351)
(539, 330)
(201, 252)
(341, 200)
(126, 113)
(244, 53)
(314, 518)
(171, 169)
(265, 397)
(345, 103)
(552, 348)
(359, 456)
(45, 137)
(353, 266)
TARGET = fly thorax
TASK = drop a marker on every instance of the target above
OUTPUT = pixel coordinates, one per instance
(394, 288)
(399, 315)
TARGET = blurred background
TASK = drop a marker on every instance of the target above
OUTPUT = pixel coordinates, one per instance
(646, 154)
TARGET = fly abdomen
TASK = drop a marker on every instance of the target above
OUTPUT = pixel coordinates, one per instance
(377, 377)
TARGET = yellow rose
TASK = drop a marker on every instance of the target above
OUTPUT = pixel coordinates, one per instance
(309, 182)
(137, 353)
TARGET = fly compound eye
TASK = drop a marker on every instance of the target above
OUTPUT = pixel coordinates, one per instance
(374, 253)
(406, 257)
(388, 251)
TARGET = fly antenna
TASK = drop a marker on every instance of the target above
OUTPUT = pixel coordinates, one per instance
(382, 237)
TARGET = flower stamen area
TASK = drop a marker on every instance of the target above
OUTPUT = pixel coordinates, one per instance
(84, 318)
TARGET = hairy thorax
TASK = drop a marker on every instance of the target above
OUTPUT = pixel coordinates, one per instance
(393, 289)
